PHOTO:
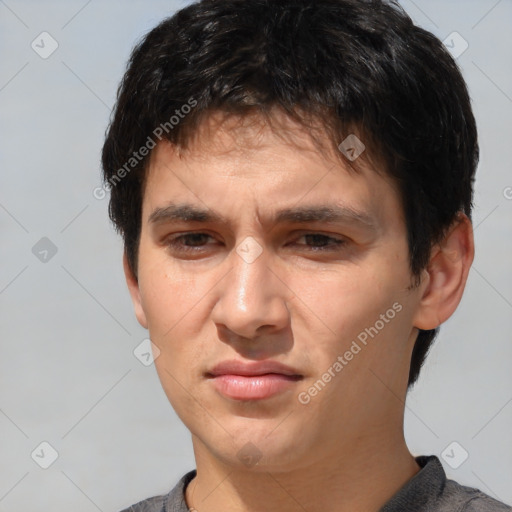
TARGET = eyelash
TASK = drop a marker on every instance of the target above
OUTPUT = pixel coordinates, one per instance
(174, 242)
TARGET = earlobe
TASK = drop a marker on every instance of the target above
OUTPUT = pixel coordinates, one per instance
(446, 275)
(133, 288)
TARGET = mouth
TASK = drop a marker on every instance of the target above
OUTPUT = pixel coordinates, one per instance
(252, 381)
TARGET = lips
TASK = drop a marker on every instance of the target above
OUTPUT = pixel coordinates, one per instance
(234, 367)
(252, 381)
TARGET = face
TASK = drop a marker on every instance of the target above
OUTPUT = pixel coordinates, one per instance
(266, 251)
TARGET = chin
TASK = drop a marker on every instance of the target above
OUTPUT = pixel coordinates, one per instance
(268, 447)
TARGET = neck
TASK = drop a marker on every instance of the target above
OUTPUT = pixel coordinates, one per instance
(362, 476)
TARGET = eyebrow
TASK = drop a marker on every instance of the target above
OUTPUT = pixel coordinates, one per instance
(300, 215)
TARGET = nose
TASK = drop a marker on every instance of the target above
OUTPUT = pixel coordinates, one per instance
(252, 298)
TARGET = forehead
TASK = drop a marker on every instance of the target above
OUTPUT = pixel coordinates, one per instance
(232, 160)
(224, 133)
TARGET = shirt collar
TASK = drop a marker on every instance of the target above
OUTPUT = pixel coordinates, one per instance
(418, 494)
(422, 490)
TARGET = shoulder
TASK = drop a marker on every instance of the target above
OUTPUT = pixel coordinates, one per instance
(431, 491)
(461, 498)
(154, 504)
(174, 501)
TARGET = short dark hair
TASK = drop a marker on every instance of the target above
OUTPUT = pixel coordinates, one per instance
(352, 64)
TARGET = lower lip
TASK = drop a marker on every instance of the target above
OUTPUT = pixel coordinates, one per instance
(256, 387)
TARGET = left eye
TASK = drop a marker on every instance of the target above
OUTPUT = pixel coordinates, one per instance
(319, 242)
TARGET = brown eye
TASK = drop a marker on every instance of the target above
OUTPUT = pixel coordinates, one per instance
(188, 242)
(318, 242)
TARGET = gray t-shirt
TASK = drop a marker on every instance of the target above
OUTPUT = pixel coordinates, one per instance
(427, 491)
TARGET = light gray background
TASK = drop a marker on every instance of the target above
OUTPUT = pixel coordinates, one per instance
(67, 369)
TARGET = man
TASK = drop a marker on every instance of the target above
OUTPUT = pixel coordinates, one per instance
(293, 183)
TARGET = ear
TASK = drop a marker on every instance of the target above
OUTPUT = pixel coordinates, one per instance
(133, 287)
(446, 275)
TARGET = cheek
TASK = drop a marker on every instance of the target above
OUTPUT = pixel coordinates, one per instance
(359, 314)
(346, 300)
(167, 295)
(172, 303)
(176, 306)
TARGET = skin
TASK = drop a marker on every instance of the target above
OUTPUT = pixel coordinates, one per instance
(344, 450)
